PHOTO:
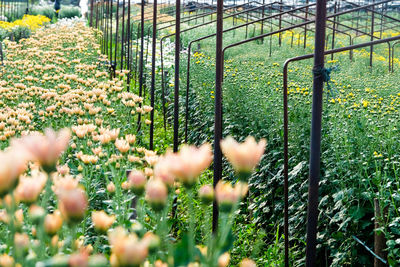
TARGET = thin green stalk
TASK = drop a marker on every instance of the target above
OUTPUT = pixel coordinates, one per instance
(192, 218)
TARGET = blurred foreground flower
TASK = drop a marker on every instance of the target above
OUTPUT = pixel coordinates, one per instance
(227, 196)
(244, 157)
(101, 221)
(46, 148)
(156, 194)
(191, 162)
(127, 249)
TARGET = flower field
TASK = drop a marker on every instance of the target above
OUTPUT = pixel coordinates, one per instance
(66, 195)
(94, 111)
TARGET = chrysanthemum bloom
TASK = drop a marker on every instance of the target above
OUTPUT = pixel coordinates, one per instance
(206, 194)
(156, 194)
(227, 195)
(244, 157)
(73, 204)
(247, 263)
(163, 171)
(152, 241)
(12, 164)
(47, 148)
(192, 162)
(122, 145)
(127, 249)
(130, 138)
(223, 260)
(53, 223)
(138, 181)
(101, 221)
(36, 213)
(6, 260)
(29, 188)
(21, 243)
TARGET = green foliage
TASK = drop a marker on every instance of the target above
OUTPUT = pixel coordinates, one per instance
(47, 11)
(359, 149)
(20, 32)
(69, 12)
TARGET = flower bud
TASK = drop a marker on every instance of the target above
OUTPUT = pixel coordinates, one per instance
(73, 204)
(21, 243)
(137, 180)
(152, 241)
(101, 221)
(226, 195)
(156, 194)
(36, 213)
(52, 223)
(223, 260)
(6, 261)
(111, 188)
(206, 194)
(247, 263)
(244, 157)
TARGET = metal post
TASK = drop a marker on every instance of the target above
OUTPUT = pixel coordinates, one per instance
(334, 30)
(177, 58)
(141, 60)
(305, 27)
(123, 34)
(153, 72)
(371, 50)
(315, 146)
(262, 21)
(128, 37)
(116, 35)
(218, 108)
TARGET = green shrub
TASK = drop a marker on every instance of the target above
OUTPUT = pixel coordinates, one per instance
(47, 11)
(69, 12)
(20, 32)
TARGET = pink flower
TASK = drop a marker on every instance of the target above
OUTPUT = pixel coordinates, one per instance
(46, 149)
(227, 195)
(244, 157)
(101, 221)
(191, 162)
(206, 194)
(137, 180)
(127, 249)
(73, 204)
(163, 168)
(156, 194)
(12, 164)
(29, 188)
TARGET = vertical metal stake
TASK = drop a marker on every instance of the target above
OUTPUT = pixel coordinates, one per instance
(218, 109)
(315, 146)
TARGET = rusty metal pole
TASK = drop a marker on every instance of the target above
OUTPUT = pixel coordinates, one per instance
(379, 237)
(218, 109)
(176, 82)
(334, 30)
(116, 36)
(262, 21)
(123, 34)
(111, 32)
(371, 49)
(153, 72)
(128, 37)
(315, 146)
(305, 27)
(141, 60)
(280, 23)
